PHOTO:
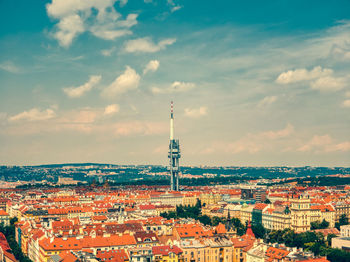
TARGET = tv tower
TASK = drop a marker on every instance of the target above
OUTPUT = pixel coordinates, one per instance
(174, 154)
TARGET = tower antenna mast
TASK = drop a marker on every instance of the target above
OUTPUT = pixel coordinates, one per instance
(174, 154)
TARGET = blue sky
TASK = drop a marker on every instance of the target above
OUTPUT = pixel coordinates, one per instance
(253, 82)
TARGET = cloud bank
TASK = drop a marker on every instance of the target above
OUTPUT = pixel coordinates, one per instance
(74, 92)
(77, 17)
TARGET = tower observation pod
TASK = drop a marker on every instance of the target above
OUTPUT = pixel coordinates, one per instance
(174, 154)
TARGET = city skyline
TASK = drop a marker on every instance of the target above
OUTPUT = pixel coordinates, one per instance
(260, 84)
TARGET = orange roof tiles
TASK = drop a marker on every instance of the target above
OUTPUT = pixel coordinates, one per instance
(322, 259)
(165, 250)
(221, 229)
(260, 206)
(323, 208)
(86, 242)
(245, 242)
(3, 213)
(276, 253)
(192, 230)
(99, 218)
(119, 255)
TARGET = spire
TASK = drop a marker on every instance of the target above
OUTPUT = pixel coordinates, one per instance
(249, 231)
(172, 109)
(174, 154)
(171, 120)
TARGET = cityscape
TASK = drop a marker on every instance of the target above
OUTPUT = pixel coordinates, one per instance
(174, 131)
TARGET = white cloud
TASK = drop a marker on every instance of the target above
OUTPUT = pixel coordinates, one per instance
(267, 100)
(68, 28)
(152, 66)
(83, 120)
(341, 52)
(111, 109)
(175, 8)
(9, 67)
(293, 76)
(96, 16)
(74, 92)
(107, 52)
(328, 83)
(175, 87)
(287, 131)
(83, 116)
(134, 128)
(105, 33)
(130, 21)
(320, 79)
(324, 144)
(34, 114)
(62, 8)
(253, 142)
(340, 147)
(123, 2)
(196, 112)
(129, 80)
(346, 103)
(146, 45)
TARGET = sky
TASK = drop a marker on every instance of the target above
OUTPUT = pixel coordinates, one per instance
(254, 83)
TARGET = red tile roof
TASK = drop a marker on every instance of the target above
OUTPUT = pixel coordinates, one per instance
(276, 253)
(118, 255)
(192, 230)
(3, 213)
(165, 250)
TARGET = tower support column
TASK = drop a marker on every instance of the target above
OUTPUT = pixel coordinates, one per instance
(173, 155)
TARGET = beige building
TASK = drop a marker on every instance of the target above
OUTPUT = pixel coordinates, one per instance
(210, 198)
(168, 199)
(345, 231)
(257, 253)
(341, 208)
(234, 210)
(189, 200)
(276, 217)
(246, 213)
(193, 250)
(323, 212)
(207, 249)
(300, 213)
(342, 242)
(218, 249)
(241, 245)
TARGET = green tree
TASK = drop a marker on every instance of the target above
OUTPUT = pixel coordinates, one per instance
(338, 255)
(205, 220)
(267, 201)
(319, 225)
(198, 204)
(324, 224)
(343, 220)
(240, 228)
(216, 220)
(329, 239)
(259, 230)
